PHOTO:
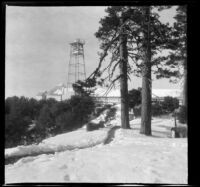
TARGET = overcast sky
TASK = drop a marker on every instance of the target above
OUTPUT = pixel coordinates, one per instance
(37, 46)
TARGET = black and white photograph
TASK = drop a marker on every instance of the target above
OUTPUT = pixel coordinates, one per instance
(96, 94)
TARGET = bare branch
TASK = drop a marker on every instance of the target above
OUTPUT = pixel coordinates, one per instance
(114, 68)
(111, 85)
(114, 38)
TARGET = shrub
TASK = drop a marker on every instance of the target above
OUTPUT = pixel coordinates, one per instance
(182, 114)
(156, 109)
(82, 107)
(170, 104)
(46, 119)
(135, 97)
(50, 117)
(64, 122)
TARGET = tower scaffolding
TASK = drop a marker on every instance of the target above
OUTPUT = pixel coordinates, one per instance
(76, 67)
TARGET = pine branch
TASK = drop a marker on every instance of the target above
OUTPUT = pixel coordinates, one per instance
(114, 38)
(113, 70)
(111, 85)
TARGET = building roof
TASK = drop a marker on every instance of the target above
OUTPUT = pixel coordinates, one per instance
(61, 89)
(101, 91)
(57, 90)
(166, 92)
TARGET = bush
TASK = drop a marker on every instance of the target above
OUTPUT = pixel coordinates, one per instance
(45, 118)
(17, 120)
(135, 97)
(182, 114)
(64, 122)
(156, 109)
(170, 104)
(82, 107)
(50, 117)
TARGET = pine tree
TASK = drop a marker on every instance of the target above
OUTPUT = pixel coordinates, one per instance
(113, 35)
(178, 56)
(181, 52)
(45, 120)
(146, 37)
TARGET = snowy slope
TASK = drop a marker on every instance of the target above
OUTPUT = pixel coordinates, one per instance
(68, 141)
(78, 139)
(130, 157)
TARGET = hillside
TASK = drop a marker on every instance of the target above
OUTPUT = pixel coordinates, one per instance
(109, 154)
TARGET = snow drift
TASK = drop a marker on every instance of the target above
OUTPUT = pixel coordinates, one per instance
(73, 140)
(68, 141)
(129, 158)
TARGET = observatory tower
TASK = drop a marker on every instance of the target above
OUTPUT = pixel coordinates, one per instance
(76, 67)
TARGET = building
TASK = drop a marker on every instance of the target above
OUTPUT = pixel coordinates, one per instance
(159, 94)
(100, 95)
(114, 95)
(59, 93)
(111, 97)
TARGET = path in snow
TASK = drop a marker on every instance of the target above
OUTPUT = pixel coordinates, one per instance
(35, 150)
(128, 158)
(119, 156)
(78, 139)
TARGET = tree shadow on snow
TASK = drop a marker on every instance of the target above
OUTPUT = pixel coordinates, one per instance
(157, 133)
(111, 134)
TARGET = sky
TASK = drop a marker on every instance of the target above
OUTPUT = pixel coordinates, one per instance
(38, 50)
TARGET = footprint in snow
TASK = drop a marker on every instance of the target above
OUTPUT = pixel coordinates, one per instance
(66, 178)
(157, 181)
(63, 166)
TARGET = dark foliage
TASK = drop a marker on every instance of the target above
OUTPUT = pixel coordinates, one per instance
(29, 121)
(160, 107)
(182, 114)
(170, 104)
(165, 107)
(157, 109)
(92, 126)
(135, 97)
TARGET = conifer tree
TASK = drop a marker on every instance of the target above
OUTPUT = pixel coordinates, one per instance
(180, 54)
(146, 37)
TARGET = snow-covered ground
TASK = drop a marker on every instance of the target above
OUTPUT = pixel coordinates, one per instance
(68, 141)
(130, 157)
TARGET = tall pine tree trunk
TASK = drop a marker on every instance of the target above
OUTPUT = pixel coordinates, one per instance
(123, 79)
(146, 80)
